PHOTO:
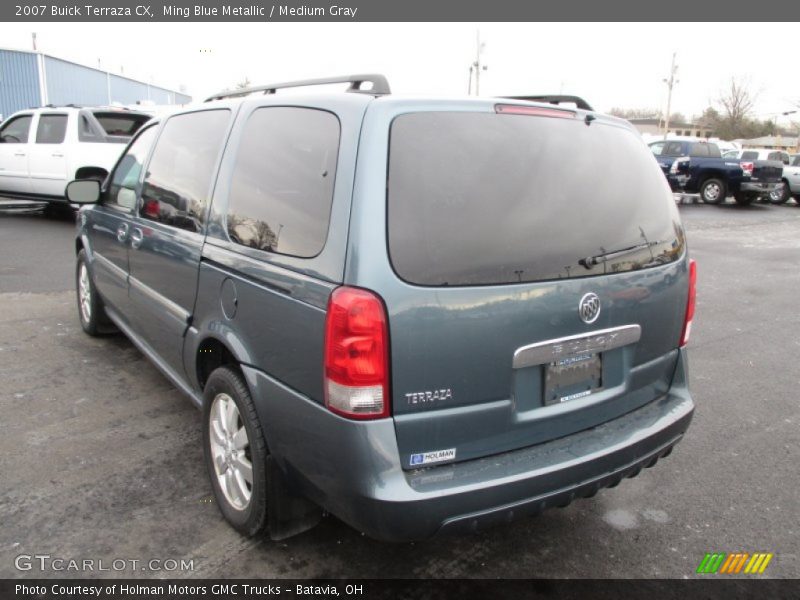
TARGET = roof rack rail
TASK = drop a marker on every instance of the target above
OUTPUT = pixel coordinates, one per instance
(380, 86)
(555, 99)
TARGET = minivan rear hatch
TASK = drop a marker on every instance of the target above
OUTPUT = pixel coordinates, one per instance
(541, 278)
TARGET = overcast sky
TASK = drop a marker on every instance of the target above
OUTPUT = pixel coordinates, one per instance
(608, 64)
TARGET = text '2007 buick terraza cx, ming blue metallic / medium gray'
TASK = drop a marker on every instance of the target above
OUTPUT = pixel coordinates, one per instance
(420, 315)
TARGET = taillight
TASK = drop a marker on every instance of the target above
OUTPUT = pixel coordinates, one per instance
(690, 303)
(533, 111)
(747, 169)
(356, 355)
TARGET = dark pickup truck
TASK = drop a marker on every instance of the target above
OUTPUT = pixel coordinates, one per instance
(698, 168)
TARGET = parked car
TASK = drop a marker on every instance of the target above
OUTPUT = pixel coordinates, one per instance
(387, 309)
(698, 168)
(790, 183)
(42, 149)
(765, 154)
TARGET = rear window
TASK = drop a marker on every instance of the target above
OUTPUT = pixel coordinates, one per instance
(482, 198)
(749, 156)
(121, 124)
(704, 149)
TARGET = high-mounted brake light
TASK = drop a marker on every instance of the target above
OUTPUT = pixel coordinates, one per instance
(690, 303)
(533, 111)
(356, 355)
(747, 168)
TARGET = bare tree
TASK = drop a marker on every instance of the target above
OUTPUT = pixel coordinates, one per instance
(737, 101)
(245, 83)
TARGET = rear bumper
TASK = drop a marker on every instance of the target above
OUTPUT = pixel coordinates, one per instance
(758, 187)
(353, 469)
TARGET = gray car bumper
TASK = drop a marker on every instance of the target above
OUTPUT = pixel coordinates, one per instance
(753, 187)
(352, 469)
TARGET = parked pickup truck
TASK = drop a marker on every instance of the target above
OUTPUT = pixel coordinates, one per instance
(698, 168)
(42, 149)
(790, 183)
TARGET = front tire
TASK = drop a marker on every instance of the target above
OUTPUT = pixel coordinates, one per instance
(713, 191)
(780, 194)
(90, 307)
(235, 451)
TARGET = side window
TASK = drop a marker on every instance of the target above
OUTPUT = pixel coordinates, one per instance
(178, 180)
(125, 179)
(16, 130)
(282, 185)
(657, 148)
(672, 149)
(52, 129)
(86, 133)
(699, 150)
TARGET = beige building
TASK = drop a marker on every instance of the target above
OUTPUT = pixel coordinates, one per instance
(655, 126)
(777, 142)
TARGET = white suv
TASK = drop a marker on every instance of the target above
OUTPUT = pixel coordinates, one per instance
(42, 149)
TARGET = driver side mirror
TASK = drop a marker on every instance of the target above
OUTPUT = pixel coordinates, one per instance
(83, 191)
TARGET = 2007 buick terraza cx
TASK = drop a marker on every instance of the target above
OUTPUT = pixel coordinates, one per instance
(419, 315)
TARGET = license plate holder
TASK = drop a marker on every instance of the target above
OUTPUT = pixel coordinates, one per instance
(572, 377)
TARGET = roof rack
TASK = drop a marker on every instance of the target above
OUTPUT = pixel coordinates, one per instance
(380, 86)
(555, 99)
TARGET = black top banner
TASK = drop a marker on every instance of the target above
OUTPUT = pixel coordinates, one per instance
(400, 10)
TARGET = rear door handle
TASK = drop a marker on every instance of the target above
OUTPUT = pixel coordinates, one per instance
(58, 156)
(122, 232)
(136, 238)
(19, 154)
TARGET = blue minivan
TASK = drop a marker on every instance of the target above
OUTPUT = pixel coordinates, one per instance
(420, 315)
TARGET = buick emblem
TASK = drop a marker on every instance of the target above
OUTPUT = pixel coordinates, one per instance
(589, 307)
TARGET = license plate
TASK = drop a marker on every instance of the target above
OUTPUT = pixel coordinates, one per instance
(572, 377)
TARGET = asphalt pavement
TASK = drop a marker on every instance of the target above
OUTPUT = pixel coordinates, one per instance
(100, 457)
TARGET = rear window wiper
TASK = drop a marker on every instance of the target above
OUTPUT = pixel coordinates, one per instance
(591, 261)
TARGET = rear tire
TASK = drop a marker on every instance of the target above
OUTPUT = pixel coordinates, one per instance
(744, 199)
(780, 194)
(235, 451)
(90, 306)
(713, 191)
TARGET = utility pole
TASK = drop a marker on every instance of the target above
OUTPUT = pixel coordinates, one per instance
(477, 66)
(670, 84)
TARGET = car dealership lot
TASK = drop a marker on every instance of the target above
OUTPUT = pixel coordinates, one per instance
(100, 457)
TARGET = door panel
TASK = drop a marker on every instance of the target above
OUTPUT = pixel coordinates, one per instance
(47, 155)
(168, 233)
(14, 149)
(109, 225)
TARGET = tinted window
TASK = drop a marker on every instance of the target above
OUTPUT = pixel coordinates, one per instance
(476, 198)
(749, 155)
(122, 191)
(52, 129)
(16, 130)
(178, 181)
(673, 149)
(282, 186)
(121, 124)
(796, 161)
(699, 150)
(657, 148)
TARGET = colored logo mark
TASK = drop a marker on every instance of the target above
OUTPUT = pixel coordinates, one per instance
(736, 562)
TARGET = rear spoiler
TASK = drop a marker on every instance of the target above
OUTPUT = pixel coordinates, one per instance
(555, 99)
